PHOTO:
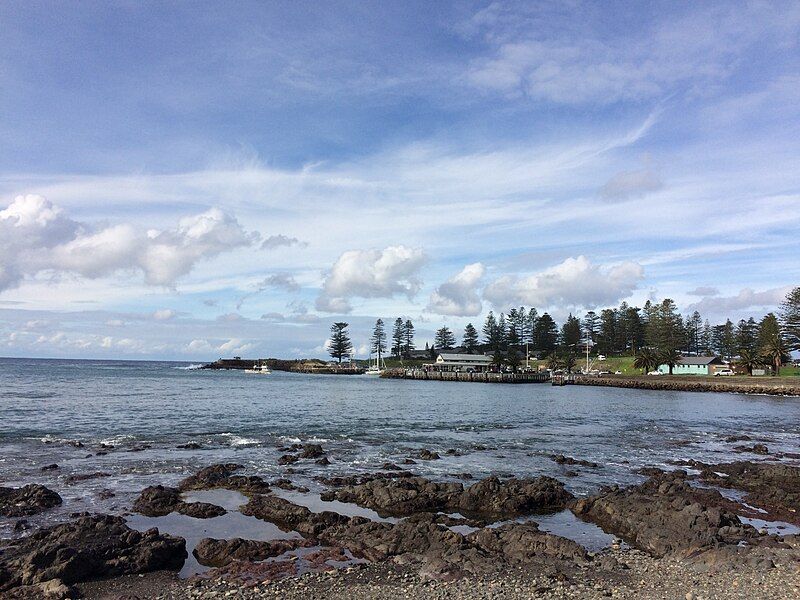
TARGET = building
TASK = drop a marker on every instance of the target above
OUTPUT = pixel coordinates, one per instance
(465, 363)
(694, 365)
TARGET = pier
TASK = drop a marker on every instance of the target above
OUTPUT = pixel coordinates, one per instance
(486, 377)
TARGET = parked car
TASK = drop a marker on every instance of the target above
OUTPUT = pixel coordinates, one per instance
(601, 357)
(655, 373)
(723, 373)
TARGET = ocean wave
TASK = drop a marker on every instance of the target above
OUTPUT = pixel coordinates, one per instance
(239, 441)
(192, 367)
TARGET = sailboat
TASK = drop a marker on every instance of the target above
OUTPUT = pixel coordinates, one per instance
(375, 368)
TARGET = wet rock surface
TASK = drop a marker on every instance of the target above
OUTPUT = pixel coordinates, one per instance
(158, 500)
(666, 516)
(491, 496)
(223, 476)
(560, 459)
(88, 548)
(218, 553)
(774, 487)
(26, 501)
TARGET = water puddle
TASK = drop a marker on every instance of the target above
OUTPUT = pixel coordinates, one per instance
(315, 504)
(567, 525)
(231, 525)
(772, 527)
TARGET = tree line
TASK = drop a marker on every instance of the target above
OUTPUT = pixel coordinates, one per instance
(655, 334)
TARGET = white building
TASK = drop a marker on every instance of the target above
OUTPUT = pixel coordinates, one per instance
(465, 363)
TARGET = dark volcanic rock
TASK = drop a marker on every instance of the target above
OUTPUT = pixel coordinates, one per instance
(288, 515)
(761, 449)
(514, 496)
(53, 467)
(218, 553)
(522, 543)
(400, 496)
(89, 548)
(491, 496)
(666, 516)
(774, 487)
(312, 451)
(288, 459)
(157, 501)
(200, 510)
(568, 460)
(222, 476)
(190, 446)
(27, 500)
(323, 461)
(426, 454)
(77, 477)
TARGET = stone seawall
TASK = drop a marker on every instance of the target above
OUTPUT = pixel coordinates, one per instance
(541, 377)
(774, 386)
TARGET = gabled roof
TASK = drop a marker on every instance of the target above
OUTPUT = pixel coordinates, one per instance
(699, 360)
(466, 357)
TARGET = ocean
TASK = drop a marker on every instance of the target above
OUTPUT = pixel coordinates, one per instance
(120, 423)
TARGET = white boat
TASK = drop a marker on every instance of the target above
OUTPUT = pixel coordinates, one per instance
(259, 369)
(375, 368)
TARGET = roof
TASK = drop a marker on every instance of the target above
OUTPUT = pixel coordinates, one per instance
(698, 360)
(466, 357)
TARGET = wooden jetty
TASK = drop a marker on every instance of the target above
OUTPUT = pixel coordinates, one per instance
(426, 375)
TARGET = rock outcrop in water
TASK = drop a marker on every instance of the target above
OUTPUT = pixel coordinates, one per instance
(490, 497)
(26, 501)
(218, 553)
(667, 517)
(774, 487)
(157, 501)
(222, 476)
(89, 548)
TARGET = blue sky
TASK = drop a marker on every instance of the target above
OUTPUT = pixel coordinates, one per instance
(192, 180)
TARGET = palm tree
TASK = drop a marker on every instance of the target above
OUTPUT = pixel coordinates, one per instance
(553, 362)
(775, 353)
(749, 360)
(645, 360)
(671, 358)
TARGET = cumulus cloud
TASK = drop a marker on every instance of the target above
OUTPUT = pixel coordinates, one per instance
(276, 241)
(277, 280)
(164, 314)
(631, 184)
(458, 296)
(371, 274)
(704, 291)
(746, 298)
(576, 282)
(36, 236)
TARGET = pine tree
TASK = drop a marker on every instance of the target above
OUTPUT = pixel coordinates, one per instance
(444, 340)
(502, 333)
(378, 340)
(470, 341)
(408, 344)
(571, 332)
(790, 319)
(340, 344)
(706, 337)
(694, 329)
(490, 331)
(530, 326)
(607, 334)
(591, 325)
(513, 327)
(398, 337)
(768, 329)
(545, 335)
(746, 336)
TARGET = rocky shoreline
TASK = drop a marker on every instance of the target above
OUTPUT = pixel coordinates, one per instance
(772, 386)
(689, 530)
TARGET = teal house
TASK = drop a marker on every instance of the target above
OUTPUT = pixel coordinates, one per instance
(693, 365)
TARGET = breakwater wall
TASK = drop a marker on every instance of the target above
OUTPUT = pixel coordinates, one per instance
(421, 374)
(774, 386)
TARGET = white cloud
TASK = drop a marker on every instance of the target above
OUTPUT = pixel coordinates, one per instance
(277, 241)
(458, 296)
(36, 237)
(631, 184)
(371, 274)
(576, 282)
(704, 291)
(164, 314)
(745, 299)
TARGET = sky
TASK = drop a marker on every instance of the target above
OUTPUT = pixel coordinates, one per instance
(190, 180)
